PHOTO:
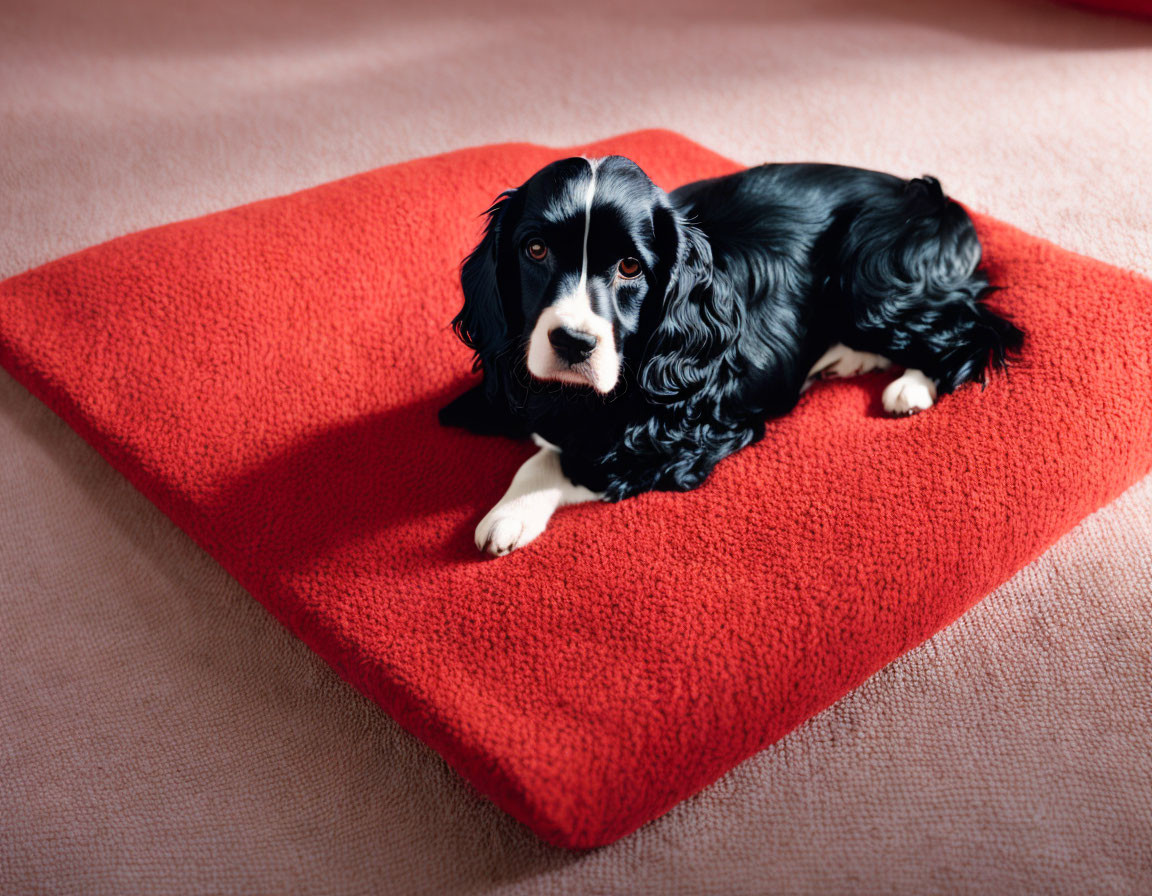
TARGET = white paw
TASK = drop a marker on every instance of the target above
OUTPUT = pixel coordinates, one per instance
(507, 527)
(910, 393)
(844, 362)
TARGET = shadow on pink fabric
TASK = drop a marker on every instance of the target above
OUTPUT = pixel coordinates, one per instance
(268, 376)
(1142, 8)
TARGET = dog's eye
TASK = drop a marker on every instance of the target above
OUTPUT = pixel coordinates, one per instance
(629, 268)
(535, 249)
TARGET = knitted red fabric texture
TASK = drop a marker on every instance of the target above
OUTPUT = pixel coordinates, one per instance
(269, 376)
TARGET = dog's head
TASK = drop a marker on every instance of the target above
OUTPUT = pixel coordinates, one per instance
(575, 275)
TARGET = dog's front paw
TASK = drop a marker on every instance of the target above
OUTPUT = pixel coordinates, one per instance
(910, 393)
(508, 527)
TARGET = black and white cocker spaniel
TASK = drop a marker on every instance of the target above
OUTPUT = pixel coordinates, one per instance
(640, 337)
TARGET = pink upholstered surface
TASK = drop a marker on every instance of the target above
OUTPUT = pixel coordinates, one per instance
(159, 732)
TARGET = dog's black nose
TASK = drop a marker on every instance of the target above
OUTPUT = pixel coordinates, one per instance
(572, 346)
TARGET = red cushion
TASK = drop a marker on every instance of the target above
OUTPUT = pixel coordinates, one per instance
(269, 376)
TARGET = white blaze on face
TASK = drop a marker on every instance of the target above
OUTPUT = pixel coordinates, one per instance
(574, 312)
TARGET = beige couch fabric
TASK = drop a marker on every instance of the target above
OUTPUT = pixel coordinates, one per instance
(160, 733)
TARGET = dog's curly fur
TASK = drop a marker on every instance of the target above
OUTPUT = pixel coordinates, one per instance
(746, 281)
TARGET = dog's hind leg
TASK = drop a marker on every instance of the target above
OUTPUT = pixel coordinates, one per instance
(842, 361)
(912, 291)
(909, 393)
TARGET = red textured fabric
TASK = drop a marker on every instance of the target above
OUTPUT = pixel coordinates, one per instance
(269, 376)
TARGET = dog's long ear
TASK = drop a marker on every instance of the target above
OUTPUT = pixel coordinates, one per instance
(694, 323)
(482, 324)
(691, 327)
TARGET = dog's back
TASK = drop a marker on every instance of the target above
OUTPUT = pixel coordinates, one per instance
(824, 254)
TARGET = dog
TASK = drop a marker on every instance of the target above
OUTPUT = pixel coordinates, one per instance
(640, 337)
